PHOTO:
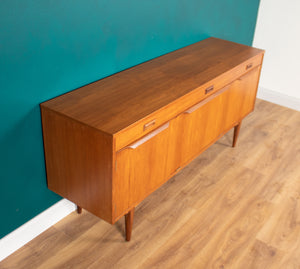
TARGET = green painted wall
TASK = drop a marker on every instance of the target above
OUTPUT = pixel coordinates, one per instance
(50, 47)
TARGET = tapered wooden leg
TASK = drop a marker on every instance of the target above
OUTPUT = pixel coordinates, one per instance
(79, 209)
(236, 133)
(128, 224)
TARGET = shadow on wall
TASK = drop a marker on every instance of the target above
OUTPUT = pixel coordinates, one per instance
(27, 168)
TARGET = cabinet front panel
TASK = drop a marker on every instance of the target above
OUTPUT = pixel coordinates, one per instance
(200, 125)
(147, 163)
(143, 166)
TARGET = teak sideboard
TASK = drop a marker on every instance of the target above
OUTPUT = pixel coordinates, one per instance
(110, 144)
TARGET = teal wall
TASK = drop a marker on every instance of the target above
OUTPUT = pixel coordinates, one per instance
(50, 47)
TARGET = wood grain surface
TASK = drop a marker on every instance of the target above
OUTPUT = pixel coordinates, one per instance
(105, 148)
(79, 163)
(116, 102)
(230, 208)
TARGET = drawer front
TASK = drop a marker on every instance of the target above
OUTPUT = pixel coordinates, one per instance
(142, 167)
(151, 122)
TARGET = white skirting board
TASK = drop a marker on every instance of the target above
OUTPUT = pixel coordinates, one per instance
(279, 98)
(31, 229)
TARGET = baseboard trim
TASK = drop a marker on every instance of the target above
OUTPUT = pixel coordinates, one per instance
(279, 98)
(31, 229)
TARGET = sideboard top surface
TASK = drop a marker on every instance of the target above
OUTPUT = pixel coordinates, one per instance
(115, 102)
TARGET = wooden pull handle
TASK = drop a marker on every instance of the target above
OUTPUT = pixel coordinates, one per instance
(148, 137)
(149, 124)
(209, 89)
(249, 66)
(209, 98)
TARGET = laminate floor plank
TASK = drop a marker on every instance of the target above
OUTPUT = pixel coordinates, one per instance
(39, 250)
(162, 227)
(82, 251)
(229, 208)
(23, 258)
(76, 224)
(210, 221)
(261, 256)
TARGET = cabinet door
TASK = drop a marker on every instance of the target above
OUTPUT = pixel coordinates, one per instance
(240, 98)
(200, 125)
(205, 122)
(142, 167)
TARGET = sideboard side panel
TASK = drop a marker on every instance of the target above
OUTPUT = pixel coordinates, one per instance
(79, 163)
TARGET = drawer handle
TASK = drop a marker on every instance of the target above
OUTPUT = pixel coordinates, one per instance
(149, 136)
(249, 66)
(149, 124)
(209, 89)
(203, 102)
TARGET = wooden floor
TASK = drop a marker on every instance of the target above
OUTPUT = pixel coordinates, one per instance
(230, 208)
